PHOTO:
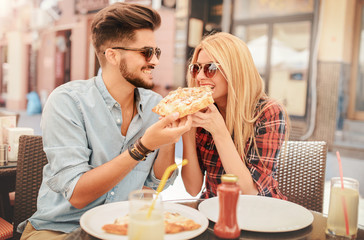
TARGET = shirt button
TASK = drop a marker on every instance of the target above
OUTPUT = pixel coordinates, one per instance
(112, 193)
(116, 105)
(118, 120)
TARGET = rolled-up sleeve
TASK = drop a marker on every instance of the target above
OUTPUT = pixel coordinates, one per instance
(153, 182)
(65, 143)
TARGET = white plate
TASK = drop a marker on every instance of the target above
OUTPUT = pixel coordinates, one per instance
(262, 214)
(93, 220)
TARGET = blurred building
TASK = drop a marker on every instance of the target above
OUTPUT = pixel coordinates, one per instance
(308, 52)
(45, 43)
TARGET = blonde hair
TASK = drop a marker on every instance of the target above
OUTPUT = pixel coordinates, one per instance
(245, 86)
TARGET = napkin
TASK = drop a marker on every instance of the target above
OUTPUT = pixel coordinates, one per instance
(11, 137)
(6, 122)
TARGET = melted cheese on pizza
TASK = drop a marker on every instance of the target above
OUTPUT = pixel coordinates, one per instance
(185, 101)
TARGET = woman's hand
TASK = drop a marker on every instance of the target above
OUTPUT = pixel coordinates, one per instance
(211, 120)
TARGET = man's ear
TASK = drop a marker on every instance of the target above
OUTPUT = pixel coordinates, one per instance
(111, 56)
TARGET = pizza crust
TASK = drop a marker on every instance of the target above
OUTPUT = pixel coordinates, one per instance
(185, 101)
(120, 229)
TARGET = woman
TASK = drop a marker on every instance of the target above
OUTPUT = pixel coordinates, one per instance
(242, 132)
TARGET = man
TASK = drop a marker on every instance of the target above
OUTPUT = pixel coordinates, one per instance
(101, 138)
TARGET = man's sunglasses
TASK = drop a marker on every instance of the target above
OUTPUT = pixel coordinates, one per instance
(146, 51)
(209, 69)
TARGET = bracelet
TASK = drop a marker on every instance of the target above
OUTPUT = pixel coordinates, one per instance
(141, 148)
(135, 154)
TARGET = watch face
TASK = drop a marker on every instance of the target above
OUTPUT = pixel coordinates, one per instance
(169, 3)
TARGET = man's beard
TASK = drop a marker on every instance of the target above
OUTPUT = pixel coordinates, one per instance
(132, 78)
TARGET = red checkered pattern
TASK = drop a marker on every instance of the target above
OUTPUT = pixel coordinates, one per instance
(261, 155)
(6, 229)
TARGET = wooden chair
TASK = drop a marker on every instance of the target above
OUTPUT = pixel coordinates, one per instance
(31, 159)
(301, 173)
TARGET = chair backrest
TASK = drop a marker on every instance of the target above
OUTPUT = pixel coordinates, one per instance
(301, 173)
(31, 159)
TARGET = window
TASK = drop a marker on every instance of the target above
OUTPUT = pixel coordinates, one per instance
(256, 37)
(290, 57)
(356, 101)
(279, 35)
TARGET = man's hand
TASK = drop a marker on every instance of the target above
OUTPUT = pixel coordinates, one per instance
(166, 131)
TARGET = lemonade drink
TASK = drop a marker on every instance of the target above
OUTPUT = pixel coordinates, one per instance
(143, 227)
(145, 224)
(341, 199)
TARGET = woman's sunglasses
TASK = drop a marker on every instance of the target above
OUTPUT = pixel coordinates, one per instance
(209, 69)
(146, 51)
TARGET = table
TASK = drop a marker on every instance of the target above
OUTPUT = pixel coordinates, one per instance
(7, 184)
(315, 231)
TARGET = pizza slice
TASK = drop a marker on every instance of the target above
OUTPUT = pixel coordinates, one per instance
(120, 226)
(120, 229)
(185, 101)
(173, 223)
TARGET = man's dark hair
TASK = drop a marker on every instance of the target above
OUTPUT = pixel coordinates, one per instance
(118, 22)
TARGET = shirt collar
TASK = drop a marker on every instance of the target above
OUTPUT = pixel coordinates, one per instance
(138, 99)
(110, 101)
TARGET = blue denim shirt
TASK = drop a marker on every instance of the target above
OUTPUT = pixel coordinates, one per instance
(81, 126)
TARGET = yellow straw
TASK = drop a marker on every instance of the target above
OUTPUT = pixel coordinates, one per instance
(165, 176)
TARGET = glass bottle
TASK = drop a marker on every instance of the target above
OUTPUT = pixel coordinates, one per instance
(228, 193)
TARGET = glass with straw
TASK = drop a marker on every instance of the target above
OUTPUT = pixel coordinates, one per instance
(146, 219)
(342, 219)
(141, 226)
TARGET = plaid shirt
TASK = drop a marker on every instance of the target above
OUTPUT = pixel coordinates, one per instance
(269, 129)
